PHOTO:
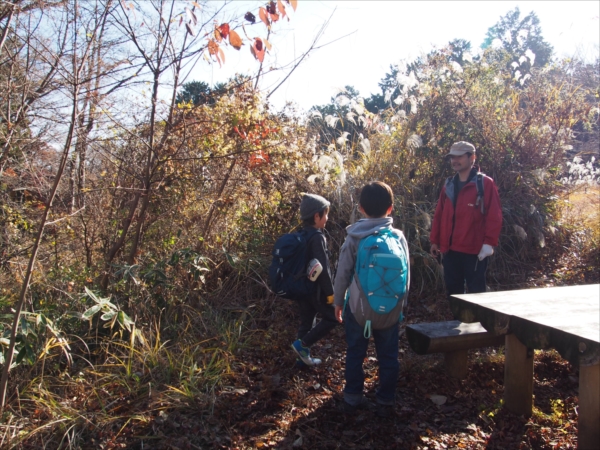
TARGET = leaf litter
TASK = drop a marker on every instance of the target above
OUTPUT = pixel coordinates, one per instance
(276, 405)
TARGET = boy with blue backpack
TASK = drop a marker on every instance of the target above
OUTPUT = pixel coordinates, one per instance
(371, 288)
(315, 293)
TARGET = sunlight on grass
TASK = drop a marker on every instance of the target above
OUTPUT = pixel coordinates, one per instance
(584, 206)
(138, 378)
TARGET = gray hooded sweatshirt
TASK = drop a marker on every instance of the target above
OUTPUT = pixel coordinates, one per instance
(344, 277)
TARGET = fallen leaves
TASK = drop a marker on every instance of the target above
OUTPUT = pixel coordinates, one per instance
(267, 403)
(438, 399)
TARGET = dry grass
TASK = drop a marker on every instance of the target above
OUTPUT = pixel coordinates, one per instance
(580, 218)
(583, 207)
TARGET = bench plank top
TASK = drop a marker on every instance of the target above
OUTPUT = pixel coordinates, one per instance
(566, 318)
(450, 336)
(449, 328)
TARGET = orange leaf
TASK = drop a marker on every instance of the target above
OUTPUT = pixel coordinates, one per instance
(235, 40)
(294, 4)
(213, 47)
(258, 49)
(217, 35)
(224, 30)
(221, 55)
(237, 130)
(262, 13)
(274, 17)
(281, 8)
(258, 159)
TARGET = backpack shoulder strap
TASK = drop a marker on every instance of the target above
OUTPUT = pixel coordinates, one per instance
(362, 243)
(388, 231)
(360, 250)
(309, 234)
(479, 184)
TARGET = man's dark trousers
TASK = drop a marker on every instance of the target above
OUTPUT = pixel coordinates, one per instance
(463, 267)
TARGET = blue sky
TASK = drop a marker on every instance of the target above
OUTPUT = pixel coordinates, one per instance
(368, 36)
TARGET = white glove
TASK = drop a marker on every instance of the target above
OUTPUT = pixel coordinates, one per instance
(486, 250)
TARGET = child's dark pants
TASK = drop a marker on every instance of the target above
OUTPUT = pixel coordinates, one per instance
(309, 307)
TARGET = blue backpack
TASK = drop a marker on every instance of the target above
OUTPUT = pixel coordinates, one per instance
(287, 272)
(381, 273)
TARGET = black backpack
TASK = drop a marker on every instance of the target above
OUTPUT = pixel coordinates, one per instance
(287, 272)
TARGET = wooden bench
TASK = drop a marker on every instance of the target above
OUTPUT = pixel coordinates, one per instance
(453, 338)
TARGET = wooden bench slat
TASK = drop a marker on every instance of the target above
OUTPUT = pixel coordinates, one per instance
(453, 338)
(450, 336)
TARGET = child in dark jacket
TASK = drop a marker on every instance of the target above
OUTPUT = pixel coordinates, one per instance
(314, 211)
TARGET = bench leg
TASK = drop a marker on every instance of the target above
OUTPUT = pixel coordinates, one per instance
(518, 377)
(456, 364)
(588, 427)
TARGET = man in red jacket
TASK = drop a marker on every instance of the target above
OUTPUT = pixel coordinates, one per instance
(467, 223)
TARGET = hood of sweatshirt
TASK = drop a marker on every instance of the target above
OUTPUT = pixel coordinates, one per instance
(365, 227)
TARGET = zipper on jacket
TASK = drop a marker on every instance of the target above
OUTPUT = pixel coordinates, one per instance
(454, 201)
(455, 181)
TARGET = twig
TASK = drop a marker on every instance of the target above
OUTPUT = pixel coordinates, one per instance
(310, 49)
(63, 218)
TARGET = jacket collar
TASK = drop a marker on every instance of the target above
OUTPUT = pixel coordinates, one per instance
(452, 183)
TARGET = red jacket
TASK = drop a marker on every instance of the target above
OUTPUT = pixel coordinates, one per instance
(465, 229)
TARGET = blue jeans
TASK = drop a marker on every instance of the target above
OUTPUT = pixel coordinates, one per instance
(386, 346)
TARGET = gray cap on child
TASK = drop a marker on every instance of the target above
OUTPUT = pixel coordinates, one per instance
(312, 204)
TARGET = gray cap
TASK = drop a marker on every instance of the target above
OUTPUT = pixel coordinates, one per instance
(460, 148)
(312, 204)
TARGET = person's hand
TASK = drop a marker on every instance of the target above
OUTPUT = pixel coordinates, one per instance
(434, 250)
(338, 313)
(486, 250)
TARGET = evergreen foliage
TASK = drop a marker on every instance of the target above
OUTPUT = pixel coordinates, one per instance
(517, 37)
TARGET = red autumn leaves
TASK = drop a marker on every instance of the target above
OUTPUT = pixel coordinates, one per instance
(258, 49)
(269, 14)
(272, 11)
(257, 133)
(223, 32)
